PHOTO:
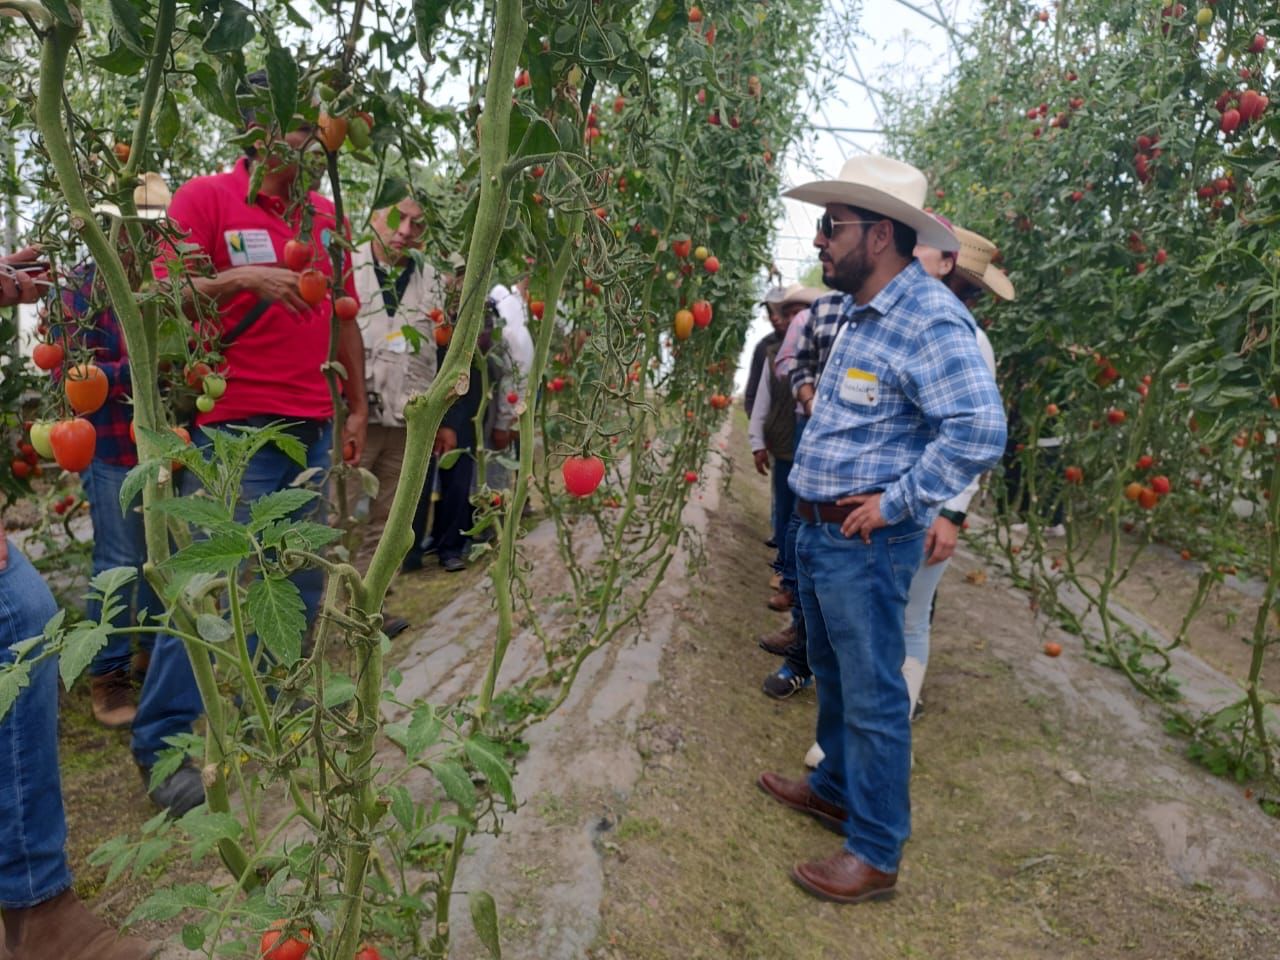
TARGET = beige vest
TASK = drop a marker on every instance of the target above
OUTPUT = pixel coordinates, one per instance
(394, 369)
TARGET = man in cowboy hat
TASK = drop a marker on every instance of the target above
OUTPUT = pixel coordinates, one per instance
(904, 415)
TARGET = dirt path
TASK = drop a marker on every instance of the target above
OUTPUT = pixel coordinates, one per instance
(1052, 816)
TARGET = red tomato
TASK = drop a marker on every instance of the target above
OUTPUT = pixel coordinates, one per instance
(537, 308)
(196, 374)
(1161, 484)
(711, 264)
(1148, 498)
(1051, 410)
(690, 477)
(346, 308)
(292, 948)
(582, 475)
(513, 398)
(21, 469)
(297, 255)
(73, 443)
(1116, 417)
(367, 952)
(681, 248)
(313, 286)
(1073, 475)
(47, 356)
(1145, 461)
(701, 313)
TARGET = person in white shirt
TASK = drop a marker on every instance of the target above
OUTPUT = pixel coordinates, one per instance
(509, 359)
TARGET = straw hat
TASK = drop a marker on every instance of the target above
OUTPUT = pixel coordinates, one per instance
(885, 186)
(773, 296)
(973, 262)
(800, 294)
(151, 196)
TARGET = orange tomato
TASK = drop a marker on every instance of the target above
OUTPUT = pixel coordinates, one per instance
(444, 333)
(683, 324)
(346, 308)
(1052, 648)
(1133, 491)
(313, 286)
(331, 131)
(86, 387)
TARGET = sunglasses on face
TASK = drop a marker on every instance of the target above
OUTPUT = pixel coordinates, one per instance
(827, 226)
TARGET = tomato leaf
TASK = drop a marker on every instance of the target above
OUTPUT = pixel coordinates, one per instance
(484, 917)
(421, 733)
(14, 678)
(127, 25)
(277, 506)
(206, 828)
(167, 902)
(457, 785)
(121, 61)
(233, 31)
(390, 192)
(279, 617)
(79, 647)
(487, 757)
(282, 79)
(136, 479)
(61, 12)
(218, 554)
(203, 512)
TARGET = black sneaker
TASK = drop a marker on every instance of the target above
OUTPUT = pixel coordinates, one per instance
(453, 564)
(784, 683)
(394, 626)
(180, 793)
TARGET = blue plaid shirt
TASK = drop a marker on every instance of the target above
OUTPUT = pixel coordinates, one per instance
(905, 404)
(814, 339)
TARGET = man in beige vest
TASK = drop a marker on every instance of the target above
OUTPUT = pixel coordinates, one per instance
(397, 288)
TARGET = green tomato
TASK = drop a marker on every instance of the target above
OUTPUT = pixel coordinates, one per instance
(40, 438)
(358, 133)
(205, 403)
(325, 92)
(1204, 16)
(215, 386)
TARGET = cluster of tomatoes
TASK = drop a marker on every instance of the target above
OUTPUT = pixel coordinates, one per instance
(276, 946)
(698, 314)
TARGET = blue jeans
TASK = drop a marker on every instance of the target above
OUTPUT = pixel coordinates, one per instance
(919, 605)
(170, 701)
(118, 541)
(33, 829)
(854, 596)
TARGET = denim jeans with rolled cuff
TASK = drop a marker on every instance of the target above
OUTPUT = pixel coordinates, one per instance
(33, 828)
(170, 703)
(854, 596)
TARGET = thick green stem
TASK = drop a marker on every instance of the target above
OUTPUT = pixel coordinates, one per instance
(502, 573)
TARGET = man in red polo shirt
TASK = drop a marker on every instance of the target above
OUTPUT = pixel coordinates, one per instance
(275, 345)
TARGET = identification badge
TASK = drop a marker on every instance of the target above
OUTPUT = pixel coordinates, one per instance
(397, 343)
(859, 387)
(248, 247)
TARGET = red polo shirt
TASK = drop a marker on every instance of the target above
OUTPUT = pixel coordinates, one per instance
(273, 367)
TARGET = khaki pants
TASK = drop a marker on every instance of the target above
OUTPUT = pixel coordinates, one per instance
(383, 456)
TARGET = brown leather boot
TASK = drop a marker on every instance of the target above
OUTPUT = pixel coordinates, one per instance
(64, 929)
(844, 878)
(781, 601)
(114, 705)
(778, 641)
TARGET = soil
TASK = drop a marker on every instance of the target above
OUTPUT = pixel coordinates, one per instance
(1053, 816)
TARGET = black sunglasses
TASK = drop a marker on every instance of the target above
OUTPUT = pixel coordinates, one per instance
(827, 226)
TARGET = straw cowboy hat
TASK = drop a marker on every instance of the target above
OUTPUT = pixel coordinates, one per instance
(150, 197)
(796, 293)
(885, 186)
(973, 262)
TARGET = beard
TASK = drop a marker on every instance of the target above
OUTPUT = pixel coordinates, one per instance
(850, 272)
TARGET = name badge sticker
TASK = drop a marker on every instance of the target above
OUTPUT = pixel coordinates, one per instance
(248, 247)
(859, 387)
(397, 342)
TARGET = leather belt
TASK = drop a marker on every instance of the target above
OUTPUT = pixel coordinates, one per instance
(822, 512)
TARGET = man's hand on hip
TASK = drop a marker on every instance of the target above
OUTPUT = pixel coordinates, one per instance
(865, 517)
